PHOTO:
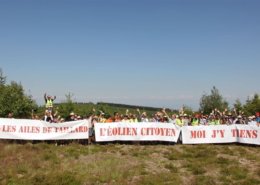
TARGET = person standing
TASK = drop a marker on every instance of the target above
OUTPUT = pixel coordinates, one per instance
(49, 102)
(257, 115)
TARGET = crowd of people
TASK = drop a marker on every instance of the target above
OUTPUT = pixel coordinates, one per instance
(182, 119)
(216, 117)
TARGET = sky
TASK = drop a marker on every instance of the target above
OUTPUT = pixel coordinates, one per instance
(160, 53)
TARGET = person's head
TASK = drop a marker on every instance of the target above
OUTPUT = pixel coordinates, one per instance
(72, 115)
(144, 115)
(126, 117)
(158, 115)
(107, 116)
(165, 119)
(48, 113)
(10, 115)
(197, 116)
(36, 117)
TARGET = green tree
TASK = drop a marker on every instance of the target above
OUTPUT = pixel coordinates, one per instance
(13, 99)
(187, 110)
(238, 106)
(67, 107)
(208, 103)
(2, 78)
(252, 105)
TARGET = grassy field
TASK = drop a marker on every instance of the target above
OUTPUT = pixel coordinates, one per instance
(76, 164)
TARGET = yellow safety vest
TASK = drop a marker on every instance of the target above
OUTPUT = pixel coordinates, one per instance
(217, 122)
(49, 103)
(178, 122)
(195, 122)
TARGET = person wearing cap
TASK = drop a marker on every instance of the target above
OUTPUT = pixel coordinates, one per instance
(229, 119)
(49, 102)
(185, 120)
(101, 118)
(252, 121)
(238, 120)
(144, 117)
(72, 117)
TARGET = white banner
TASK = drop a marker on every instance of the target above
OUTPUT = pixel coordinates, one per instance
(221, 134)
(136, 132)
(26, 129)
(247, 134)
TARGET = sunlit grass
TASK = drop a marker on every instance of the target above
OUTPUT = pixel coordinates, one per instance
(46, 163)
